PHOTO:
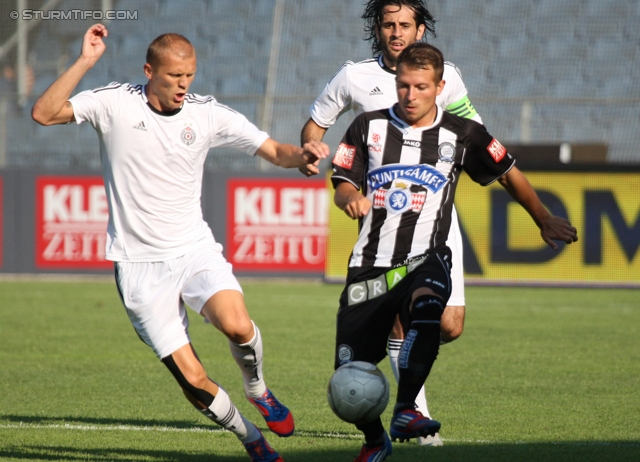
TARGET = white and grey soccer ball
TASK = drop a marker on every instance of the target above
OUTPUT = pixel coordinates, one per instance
(358, 392)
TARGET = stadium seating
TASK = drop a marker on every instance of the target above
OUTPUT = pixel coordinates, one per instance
(567, 59)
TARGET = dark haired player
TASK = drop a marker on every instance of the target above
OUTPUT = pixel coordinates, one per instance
(154, 139)
(396, 171)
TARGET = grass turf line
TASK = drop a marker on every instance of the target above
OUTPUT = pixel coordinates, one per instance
(539, 374)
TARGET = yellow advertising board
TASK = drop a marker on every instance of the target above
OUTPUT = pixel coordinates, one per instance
(502, 245)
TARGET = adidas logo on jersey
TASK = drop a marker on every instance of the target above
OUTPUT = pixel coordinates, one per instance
(376, 92)
(140, 126)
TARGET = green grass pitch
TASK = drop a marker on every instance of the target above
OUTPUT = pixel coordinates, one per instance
(539, 375)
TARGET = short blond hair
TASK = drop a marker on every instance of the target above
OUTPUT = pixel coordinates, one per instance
(166, 43)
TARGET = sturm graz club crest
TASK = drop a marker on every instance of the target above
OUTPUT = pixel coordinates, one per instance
(398, 200)
(446, 152)
(188, 136)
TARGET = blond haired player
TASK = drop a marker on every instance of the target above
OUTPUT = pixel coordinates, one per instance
(154, 139)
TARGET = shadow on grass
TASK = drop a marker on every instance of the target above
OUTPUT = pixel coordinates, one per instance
(315, 447)
(610, 452)
(110, 454)
(568, 451)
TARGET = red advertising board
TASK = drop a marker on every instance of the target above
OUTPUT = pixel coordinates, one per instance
(276, 225)
(71, 222)
(1, 221)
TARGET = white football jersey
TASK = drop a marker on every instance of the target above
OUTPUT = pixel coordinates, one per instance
(369, 85)
(152, 165)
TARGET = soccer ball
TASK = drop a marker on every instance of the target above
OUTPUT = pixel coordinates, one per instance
(358, 392)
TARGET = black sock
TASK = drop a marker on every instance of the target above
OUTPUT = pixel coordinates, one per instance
(419, 349)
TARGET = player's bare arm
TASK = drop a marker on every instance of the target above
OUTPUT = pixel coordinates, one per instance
(351, 201)
(290, 156)
(52, 107)
(551, 227)
(311, 132)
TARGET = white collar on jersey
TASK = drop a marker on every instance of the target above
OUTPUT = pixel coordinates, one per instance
(402, 125)
(384, 66)
(165, 114)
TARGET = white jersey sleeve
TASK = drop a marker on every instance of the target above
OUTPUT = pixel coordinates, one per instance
(234, 130)
(454, 94)
(334, 100)
(94, 106)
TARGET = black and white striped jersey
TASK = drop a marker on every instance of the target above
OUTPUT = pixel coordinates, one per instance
(410, 175)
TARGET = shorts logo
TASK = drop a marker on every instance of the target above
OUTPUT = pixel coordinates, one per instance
(188, 136)
(496, 150)
(357, 293)
(345, 354)
(367, 290)
(395, 275)
(344, 156)
(446, 152)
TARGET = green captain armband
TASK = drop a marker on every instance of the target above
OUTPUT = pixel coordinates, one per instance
(462, 108)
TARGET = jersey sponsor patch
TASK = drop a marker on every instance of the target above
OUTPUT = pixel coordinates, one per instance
(344, 156)
(389, 199)
(496, 150)
(423, 175)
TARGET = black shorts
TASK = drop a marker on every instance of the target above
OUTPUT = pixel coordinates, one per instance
(372, 298)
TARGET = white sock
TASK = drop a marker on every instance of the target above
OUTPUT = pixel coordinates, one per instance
(249, 358)
(225, 414)
(394, 345)
(421, 402)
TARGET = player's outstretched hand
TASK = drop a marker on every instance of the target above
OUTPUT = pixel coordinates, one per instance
(312, 153)
(92, 44)
(559, 229)
(315, 150)
(310, 169)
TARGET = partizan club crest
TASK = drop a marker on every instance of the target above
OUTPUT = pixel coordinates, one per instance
(188, 136)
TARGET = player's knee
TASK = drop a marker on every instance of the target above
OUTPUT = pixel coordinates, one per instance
(428, 307)
(196, 377)
(188, 374)
(452, 323)
(450, 333)
(238, 329)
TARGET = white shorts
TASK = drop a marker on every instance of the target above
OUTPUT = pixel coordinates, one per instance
(454, 242)
(155, 293)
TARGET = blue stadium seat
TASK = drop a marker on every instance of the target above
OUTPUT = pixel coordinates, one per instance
(241, 85)
(183, 9)
(568, 54)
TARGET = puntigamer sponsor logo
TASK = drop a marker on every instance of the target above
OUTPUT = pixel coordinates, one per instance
(423, 175)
